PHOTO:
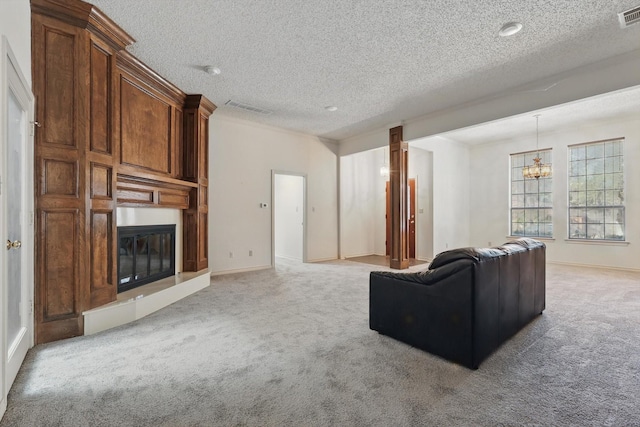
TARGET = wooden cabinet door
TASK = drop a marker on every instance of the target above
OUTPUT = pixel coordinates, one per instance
(59, 68)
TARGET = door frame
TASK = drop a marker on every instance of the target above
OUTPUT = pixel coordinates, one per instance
(413, 200)
(11, 76)
(275, 172)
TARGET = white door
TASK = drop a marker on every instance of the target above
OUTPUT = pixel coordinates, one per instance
(289, 216)
(16, 192)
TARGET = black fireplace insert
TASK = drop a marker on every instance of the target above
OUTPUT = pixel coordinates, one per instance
(145, 254)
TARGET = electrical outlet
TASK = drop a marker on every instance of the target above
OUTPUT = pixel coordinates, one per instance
(230, 254)
(250, 252)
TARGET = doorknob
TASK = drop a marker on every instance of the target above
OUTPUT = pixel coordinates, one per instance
(15, 244)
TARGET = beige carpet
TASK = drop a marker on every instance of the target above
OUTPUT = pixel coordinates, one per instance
(292, 347)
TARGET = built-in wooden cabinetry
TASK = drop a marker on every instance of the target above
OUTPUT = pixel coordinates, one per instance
(197, 110)
(112, 133)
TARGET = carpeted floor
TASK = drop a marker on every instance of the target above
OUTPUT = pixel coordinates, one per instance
(381, 260)
(292, 347)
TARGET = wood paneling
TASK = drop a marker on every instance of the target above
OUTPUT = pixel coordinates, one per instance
(203, 240)
(102, 257)
(59, 100)
(59, 178)
(145, 128)
(59, 273)
(145, 192)
(179, 200)
(101, 181)
(101, 163)
(190, 240)
(178, 143)
(131, 195)
(100, 92)
(195, 157)
(189, 151)
(59, 73)
(113, 133)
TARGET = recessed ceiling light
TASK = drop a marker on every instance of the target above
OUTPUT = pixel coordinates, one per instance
(509, 29)
(210, 69)
(331, 108)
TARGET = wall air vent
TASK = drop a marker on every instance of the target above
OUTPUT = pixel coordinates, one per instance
(631, 16)
(247, 107)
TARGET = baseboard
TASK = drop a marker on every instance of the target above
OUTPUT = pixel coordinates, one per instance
(240, 270)
(3, 407)
(608, 267)
(289, 258)
(356, 255)
(322, 259)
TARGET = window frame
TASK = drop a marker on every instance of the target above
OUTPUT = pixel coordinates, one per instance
(607, 193)
(547, 209)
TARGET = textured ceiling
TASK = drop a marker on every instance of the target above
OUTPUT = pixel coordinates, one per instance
(378, 61)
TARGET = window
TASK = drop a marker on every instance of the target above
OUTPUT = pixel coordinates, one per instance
(596, 191)
(531, 199)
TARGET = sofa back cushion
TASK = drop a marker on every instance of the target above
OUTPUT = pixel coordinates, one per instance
(474, 254)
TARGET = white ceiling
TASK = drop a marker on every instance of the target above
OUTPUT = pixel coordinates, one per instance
(615, 105)
(378, 61)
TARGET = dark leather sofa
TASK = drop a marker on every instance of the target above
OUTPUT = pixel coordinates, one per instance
(466, 304)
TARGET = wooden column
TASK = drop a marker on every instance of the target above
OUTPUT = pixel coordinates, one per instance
(398, 171)
(195, 168)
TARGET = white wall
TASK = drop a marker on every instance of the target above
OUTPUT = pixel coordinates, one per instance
(288, 207)
(450, 199)
(242, 156)
(15, 25)
(363, 202)
(359, 204)
(421, 168)
(379, 208)
(490, 198)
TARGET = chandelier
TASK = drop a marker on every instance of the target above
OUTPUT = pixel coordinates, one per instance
(537, 169)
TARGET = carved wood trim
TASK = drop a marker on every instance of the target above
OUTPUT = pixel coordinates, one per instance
(135, 68)
(199, 101)
(84, 15)
(144, 192)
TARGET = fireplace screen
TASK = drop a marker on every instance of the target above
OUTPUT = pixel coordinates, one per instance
(145, 254)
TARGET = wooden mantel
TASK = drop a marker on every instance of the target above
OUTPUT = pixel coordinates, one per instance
(114, 133)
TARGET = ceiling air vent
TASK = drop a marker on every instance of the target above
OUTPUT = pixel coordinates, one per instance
(631, 16)
(247, 107)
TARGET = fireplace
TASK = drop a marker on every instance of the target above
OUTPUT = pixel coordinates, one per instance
(145, 254)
